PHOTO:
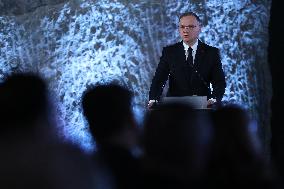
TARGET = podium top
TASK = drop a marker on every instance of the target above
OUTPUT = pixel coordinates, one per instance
(197, 102)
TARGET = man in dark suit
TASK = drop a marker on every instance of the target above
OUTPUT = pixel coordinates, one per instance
(190, 66)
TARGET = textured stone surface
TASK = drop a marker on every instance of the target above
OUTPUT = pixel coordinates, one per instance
(18, 7)
(77, 43)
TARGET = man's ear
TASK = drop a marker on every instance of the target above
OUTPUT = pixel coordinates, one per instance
(201, 28)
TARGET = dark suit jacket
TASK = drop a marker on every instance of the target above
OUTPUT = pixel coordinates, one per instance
(186, 80)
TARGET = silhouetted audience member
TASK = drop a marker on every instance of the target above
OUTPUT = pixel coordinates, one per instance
(237, 160)
(36, 165)
(108, 111)
(24, 105)
(177, 142)
(30, 155)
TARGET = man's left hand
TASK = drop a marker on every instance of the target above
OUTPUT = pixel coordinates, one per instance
(211, 101)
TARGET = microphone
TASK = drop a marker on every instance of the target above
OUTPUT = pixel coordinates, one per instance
(189, 60)
(200, 77)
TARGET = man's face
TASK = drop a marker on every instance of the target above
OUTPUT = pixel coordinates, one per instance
(189, 29)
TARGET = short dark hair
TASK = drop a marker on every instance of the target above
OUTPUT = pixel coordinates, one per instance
(107, 108)
(190, 14)
(23, 99)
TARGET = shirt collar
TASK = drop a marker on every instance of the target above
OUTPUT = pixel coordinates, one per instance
(186, 46)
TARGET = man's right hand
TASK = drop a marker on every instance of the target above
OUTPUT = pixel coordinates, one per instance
(151, 103)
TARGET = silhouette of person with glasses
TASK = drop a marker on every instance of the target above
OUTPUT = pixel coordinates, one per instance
(190, 66)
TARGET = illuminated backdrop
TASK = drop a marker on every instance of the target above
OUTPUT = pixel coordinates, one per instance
(77, 43)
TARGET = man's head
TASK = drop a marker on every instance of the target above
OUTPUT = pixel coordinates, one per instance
(23, 101)
(189, 27)
(108, 110)
(177, 135)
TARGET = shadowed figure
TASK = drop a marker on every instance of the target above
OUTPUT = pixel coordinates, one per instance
(36, 165)
(177, 141)
(109, 113)
(237, 159)
(24, 104)
(31, 157)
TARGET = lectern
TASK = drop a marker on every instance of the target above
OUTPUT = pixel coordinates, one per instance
(197, 102)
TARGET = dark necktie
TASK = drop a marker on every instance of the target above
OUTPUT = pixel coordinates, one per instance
(189, 57)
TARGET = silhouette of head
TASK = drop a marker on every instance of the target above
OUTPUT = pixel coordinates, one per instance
(176, 136)
(23, 100)
(237, 159)
(232, 126)
(107, 108)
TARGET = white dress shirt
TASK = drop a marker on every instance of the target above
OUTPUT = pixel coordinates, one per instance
(193, 47)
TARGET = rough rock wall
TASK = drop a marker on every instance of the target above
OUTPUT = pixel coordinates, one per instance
(77, 43)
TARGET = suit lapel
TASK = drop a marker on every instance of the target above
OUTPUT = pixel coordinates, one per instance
(199, 56)
(180, 53)
(181, 61)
